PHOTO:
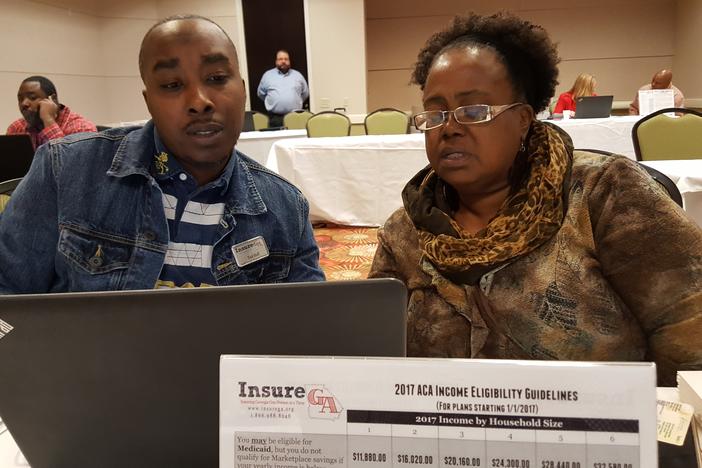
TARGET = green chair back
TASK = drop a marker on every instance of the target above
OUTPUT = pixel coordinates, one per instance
(328, 124)
(660, 137)
(6, 189)
(4, 199)
(297, 119)
(260, 120)
(386, 121)
(663, 180)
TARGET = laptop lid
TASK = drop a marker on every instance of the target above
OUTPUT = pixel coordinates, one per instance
(589, 107)
(16, 154)
(117, 379)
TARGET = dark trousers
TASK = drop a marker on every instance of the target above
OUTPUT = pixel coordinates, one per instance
(275, 120)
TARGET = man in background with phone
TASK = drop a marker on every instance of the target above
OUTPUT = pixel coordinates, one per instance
(44, 117)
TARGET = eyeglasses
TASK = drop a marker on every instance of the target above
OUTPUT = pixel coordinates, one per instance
(467, 115)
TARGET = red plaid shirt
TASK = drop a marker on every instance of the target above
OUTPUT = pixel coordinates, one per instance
(67, 122)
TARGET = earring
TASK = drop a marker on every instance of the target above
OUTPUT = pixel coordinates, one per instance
(522, 148)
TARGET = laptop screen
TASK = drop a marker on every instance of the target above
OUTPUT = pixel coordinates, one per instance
(132, 378)
(16, 154)
(589, 107)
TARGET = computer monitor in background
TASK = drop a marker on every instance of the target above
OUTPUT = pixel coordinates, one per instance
(589, 107)
(16, 154)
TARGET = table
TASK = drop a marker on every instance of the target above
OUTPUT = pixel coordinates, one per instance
(10, 455)
(257, 145)
(358, 180)
(354, 181)
(612, 134)
(687, 176)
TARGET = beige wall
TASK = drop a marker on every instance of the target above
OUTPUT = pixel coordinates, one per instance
(336, 55)
(89, 49)
(687, 63)
(41, 39)
(621, 42)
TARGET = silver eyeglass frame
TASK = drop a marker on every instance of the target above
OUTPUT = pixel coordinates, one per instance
(492, 112)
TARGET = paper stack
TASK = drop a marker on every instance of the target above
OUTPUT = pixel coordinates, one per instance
(690, 388)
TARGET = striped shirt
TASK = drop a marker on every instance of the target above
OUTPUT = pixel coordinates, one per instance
(194, 215)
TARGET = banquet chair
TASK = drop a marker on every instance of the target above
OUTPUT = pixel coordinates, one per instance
(658, 136)
(297, 119)
(386, 121)
(662, 179)
(260, 120)
(328, 124)
(6, 189)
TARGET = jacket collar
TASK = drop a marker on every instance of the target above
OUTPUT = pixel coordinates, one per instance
(135, 154)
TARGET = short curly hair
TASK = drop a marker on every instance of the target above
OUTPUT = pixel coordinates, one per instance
(526, 50)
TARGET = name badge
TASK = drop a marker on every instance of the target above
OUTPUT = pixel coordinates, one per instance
(250, 251)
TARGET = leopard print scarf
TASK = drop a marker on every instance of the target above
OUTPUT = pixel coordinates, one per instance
(531, 214)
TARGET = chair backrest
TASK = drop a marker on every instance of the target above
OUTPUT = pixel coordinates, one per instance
(386, 121)
(552, 105)
(7, 186)
(667, 184)
(4, 200)
(328, 124)
(662, 179)
(297, 119)
(6, 189)
(658, 136)
(260, 120)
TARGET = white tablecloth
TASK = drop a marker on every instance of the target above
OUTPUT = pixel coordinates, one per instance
(257, 145)
(357, 181)
(10, 455)
(687, 176)
(612, 134)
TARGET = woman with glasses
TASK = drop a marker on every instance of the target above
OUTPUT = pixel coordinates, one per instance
(512, 244)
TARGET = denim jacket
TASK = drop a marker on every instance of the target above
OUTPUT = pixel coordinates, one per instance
(89, 216)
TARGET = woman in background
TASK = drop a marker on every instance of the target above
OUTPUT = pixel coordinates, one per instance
(513, 245)
(584, 86)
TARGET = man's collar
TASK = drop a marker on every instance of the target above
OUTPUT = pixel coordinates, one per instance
(137, 154)
(62, 114)
(166, 166)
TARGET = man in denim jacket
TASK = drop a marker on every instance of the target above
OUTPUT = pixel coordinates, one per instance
(169, 204)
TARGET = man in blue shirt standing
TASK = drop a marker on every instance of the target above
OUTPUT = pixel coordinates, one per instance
(170, 204)
(282, 89)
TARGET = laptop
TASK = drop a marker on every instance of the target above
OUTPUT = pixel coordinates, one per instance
(590, 107)
(131, 378)
(16, 154)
